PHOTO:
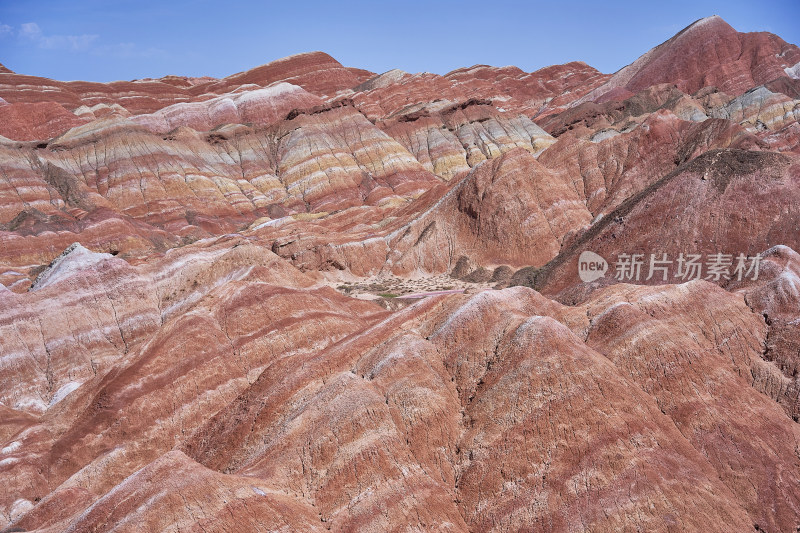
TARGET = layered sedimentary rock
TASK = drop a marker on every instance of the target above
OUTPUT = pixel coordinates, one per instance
(451, 139)
(31, 121)
(316, 72)
(181, 347)
(432, 400)
(508, 210)
(708, 52)
(190, 184)
(724, 201)
(163, 328)
(611, 166)
(776, 296)
(256, 106)
(397, 92)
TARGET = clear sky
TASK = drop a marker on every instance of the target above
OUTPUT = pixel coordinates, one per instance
(104, 40)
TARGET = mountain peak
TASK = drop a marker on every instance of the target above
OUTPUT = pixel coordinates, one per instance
(711, 25)
(708, 52)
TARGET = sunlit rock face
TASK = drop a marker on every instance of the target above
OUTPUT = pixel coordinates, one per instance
(310, 297)
(708, 53)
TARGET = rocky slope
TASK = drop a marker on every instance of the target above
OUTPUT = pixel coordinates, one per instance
(309, 297)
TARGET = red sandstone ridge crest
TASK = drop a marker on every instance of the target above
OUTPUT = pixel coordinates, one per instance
(709, 52)
(310, 297)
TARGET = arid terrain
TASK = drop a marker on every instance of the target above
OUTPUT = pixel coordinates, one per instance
(309, 297)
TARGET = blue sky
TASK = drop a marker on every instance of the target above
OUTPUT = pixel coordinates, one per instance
(104, 40)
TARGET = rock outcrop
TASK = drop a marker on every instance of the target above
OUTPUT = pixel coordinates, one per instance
(306, 297)
(708, 52)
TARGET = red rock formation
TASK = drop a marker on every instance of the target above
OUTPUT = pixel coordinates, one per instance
(612, 164)
(453, 139)
(547, 89)
(260, 106)
(386, 415)
(180, 308)
(143, 96)
(776, 296)
(316, 72)
(700, 211)
(173, 354)
(189, 185)
(707, 53)
(509, 210)
(29, 122)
